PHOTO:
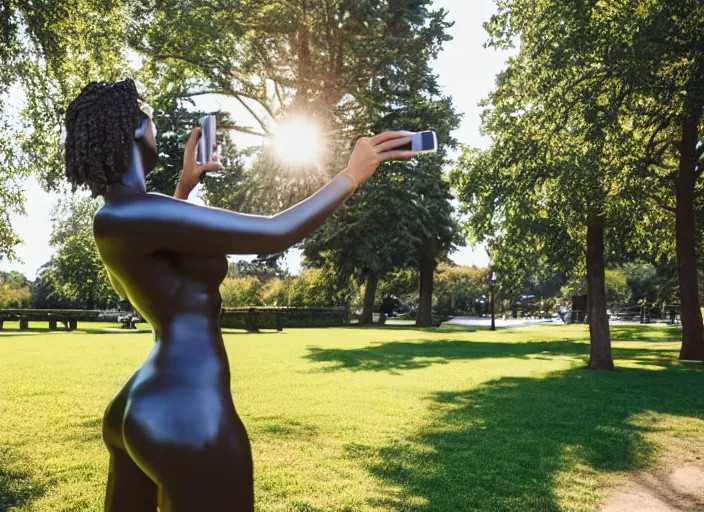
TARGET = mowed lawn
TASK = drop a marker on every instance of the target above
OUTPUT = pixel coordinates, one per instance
(373, 419)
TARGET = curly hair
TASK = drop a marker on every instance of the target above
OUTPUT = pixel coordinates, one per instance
(100, 126)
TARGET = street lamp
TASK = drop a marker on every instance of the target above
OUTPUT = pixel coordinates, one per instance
(492, 283)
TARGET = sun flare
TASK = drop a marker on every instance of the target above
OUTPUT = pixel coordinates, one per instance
(297, 142)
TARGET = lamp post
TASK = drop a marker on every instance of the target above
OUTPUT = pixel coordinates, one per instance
(492, 283)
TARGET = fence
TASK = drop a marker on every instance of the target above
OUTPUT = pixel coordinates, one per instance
(646, 312)
(641, 313)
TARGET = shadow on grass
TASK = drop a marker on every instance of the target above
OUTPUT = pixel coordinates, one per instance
(80, 330)
(445, 328)
(530, 444)
(645, 333)
(6, 333)
(88, 431)
(18, 487)
(395, 356)
(289, 429)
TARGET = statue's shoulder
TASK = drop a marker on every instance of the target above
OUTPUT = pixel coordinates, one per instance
(122, 215)
(106, 221)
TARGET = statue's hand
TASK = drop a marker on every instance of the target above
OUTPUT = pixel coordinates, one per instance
(192, 172)
(369, 152)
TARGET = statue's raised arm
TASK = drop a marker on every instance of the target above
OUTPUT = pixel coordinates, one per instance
(171, 224)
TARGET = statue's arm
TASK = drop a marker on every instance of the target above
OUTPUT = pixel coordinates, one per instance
(155, 222)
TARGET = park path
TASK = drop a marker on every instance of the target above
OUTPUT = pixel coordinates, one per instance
(675, 489)
(500, 322)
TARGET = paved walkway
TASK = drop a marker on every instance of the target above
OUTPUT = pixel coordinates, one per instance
(500, 322)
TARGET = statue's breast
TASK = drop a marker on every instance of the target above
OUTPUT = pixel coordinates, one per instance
(210, 270)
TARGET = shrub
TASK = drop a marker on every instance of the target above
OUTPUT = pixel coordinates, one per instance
(402, 284)
(14, 297)
(315, 287)
(618, 292)
(241, 291)
(275, 292)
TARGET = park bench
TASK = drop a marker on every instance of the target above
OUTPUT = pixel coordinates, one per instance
(68, 317)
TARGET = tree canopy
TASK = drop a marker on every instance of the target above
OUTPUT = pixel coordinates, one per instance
(585, 122)
(279, 60)
(76, 272)
(49, 50)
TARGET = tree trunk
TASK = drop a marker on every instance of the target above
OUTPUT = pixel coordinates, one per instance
(425, 305)
(369, 296)
(305, 65)
(600, 338)
(685, 237)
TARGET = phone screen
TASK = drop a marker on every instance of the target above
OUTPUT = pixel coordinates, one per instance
(428, 141)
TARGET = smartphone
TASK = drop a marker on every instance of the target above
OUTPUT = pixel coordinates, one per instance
(206, 143)
(422, 141)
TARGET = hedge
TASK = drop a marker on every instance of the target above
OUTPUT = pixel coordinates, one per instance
(238, 318)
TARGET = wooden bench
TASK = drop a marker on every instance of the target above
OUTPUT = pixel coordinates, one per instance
(68, 317)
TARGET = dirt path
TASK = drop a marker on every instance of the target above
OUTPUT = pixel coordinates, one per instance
(678, 487)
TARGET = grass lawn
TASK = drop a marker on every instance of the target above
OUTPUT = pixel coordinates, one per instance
(372, 419)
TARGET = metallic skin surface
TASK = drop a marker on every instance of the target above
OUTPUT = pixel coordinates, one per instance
(174, 436)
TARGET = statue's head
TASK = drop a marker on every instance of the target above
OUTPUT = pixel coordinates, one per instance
(104, 124)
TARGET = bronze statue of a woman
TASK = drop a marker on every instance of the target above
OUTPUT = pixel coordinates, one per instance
(174, 437)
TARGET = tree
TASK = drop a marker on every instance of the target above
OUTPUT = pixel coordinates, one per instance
(174, 122)
(543, 199)
(263, 270)
(652, 282)
(45, 294)
(539, 199)
(283, 59)
(458, 287)
(401, 217)
(15, 290)
(76, 270)
(48, 51)
(571, 152)
(401, 284)
(314, 287)
(342, 64)
(648, 59)
(365, 238)
(618, 291)
(432, 219)
(241, 291)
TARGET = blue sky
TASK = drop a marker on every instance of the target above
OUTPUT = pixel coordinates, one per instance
(466, 71)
